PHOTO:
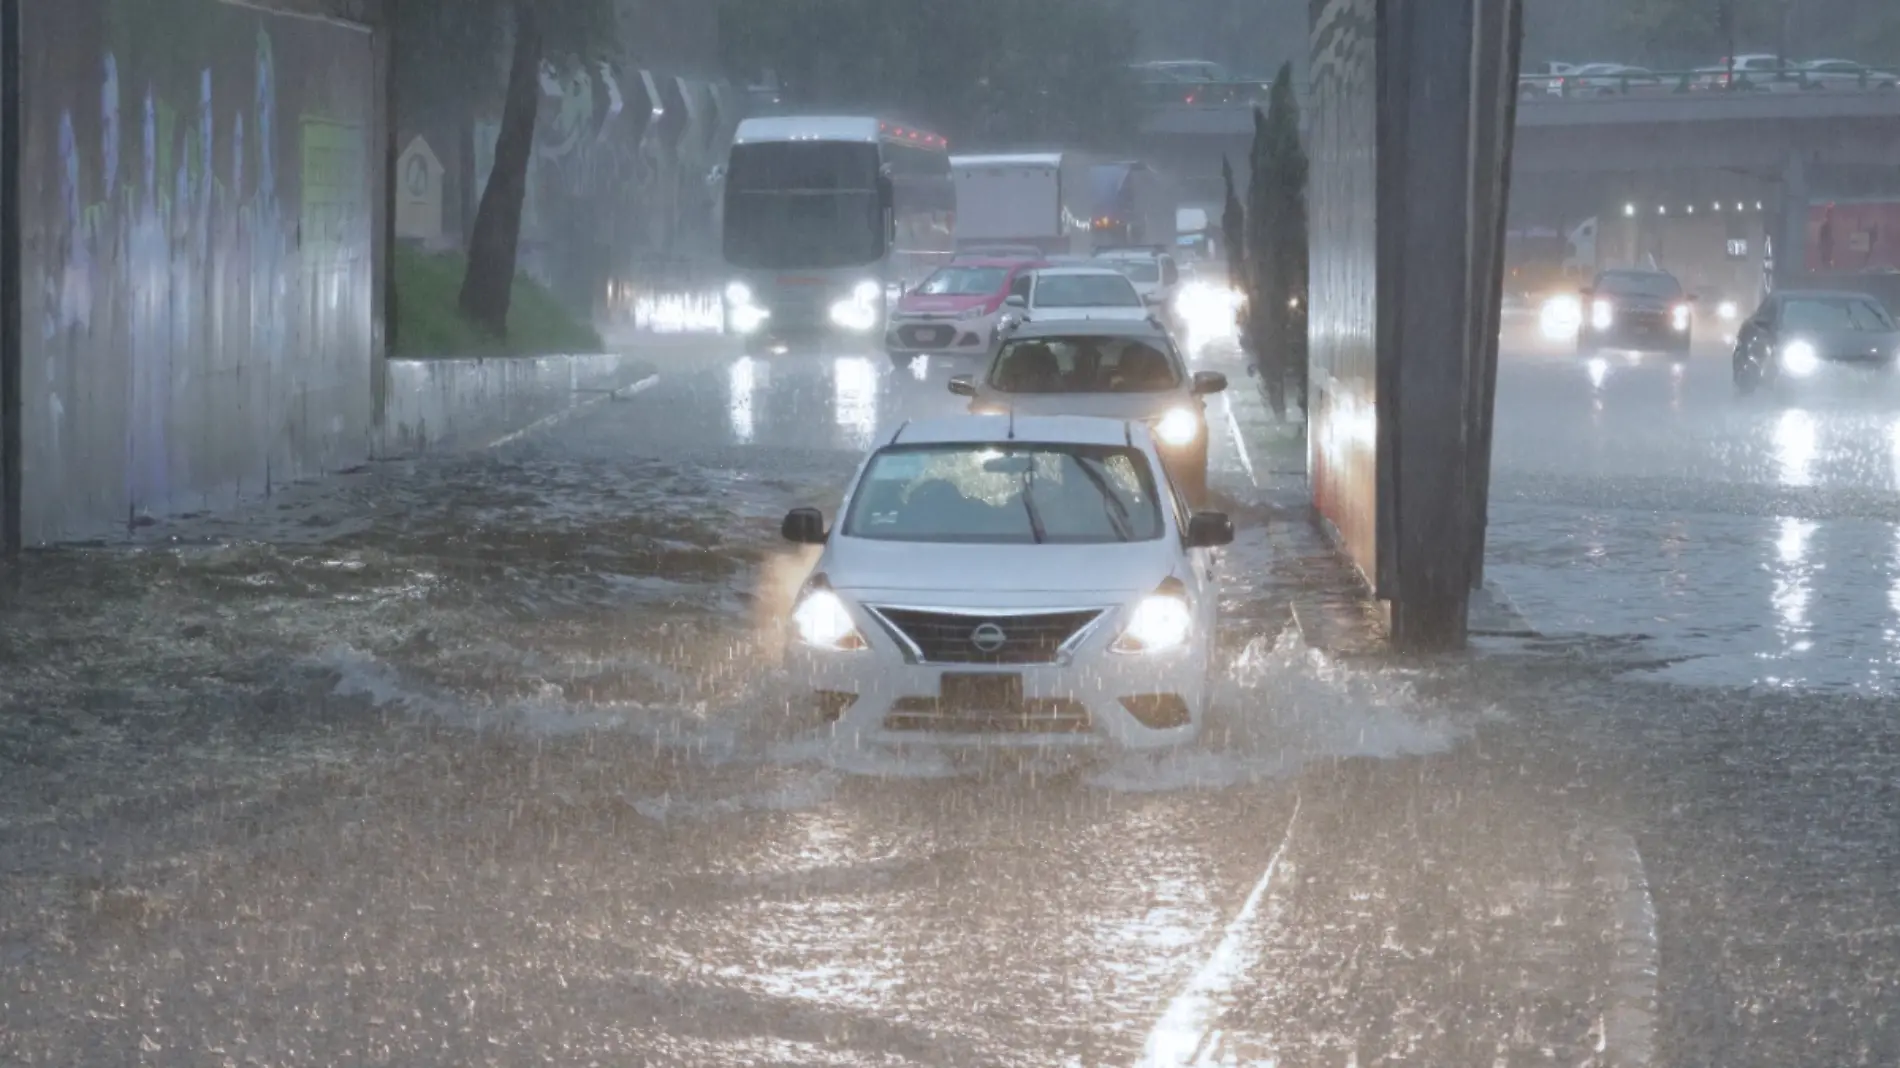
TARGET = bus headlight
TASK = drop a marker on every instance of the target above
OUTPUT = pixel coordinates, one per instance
(1177, 428)
(858, 312)
(738, 293)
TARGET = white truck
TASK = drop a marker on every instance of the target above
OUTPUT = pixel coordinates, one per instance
(1042, 199)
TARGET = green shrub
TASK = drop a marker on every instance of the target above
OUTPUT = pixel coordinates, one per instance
(428, 324)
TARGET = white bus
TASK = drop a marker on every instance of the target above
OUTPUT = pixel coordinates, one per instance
(822, 217)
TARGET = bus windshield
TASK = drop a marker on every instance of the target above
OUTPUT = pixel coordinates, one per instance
(804, 204)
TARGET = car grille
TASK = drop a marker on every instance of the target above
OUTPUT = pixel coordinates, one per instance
(952, 638)
(927, 335)
(1058, 715)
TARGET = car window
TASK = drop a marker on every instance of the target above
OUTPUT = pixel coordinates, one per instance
(1086, 291)
(1084, 365)
(1635, 284)
(1014, 494)
(1831, 314)
(1019, 285)
(964, 281)
(1139, 270)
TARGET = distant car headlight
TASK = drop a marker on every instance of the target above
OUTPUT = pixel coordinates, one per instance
(823, 622)
(1799, 359)
(1178, 427)
(1727, 311)
(1159, 623)
(1601, 314)
(1679, 318)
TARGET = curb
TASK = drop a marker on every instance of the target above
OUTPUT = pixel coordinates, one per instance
(1629, 1021)
(562, 416)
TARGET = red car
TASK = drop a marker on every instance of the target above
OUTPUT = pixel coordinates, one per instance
(954, 309)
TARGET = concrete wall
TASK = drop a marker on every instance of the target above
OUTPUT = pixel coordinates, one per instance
(1345, 397)
(451, 405)
(201, 189)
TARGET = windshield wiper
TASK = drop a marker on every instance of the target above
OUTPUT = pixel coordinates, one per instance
(1036, 533)
(1112, 505)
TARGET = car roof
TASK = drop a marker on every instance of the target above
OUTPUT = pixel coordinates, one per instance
(1145, 330)
(769, 128)
(982, 429)
(1823, 294)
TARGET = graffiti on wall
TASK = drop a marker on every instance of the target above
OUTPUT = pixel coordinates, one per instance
(190, 234)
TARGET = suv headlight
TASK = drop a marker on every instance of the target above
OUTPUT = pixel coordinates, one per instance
(1601, 314)
(823, 622)
(1177, 428)
(1798, 358)
(1160, 623)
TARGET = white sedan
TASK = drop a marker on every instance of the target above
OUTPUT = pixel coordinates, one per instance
(1073, 294)
(1029, 580)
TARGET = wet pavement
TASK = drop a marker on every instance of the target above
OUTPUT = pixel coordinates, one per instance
(482, 760)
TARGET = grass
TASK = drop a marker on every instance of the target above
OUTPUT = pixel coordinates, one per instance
(428, 325)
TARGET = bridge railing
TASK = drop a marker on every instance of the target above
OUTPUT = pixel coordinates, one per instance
(1539, 88)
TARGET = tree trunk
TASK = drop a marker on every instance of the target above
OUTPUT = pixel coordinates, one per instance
(492, 247)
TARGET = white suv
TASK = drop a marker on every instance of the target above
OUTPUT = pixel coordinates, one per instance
(1014, 579)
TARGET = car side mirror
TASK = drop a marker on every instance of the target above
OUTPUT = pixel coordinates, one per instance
(1015, 300)
(803, 526)
(1209, 530)
(1209, 382)
(963, 385)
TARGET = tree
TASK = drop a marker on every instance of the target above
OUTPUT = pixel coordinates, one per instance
(994, 71)
(1233, 229)
(447, 68)
(1276, 251)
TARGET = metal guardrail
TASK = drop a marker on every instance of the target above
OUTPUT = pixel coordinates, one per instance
(1541, 87)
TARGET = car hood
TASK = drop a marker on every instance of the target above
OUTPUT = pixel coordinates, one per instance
(1048, 314)
(996, 576)
(1106, 405)
(1847, 344)
(915, 304)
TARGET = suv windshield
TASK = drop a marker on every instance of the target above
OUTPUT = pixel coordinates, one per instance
(1083, 365)
(1639, 284)
(1019, 494)
(1139, 270)
(964, 282)
(1086, 291)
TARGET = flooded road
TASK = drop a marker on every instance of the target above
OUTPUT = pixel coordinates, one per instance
(482, 760)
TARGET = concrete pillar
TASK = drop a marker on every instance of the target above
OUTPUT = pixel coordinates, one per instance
(1790, 224)
(12, 356)
(1406, 114)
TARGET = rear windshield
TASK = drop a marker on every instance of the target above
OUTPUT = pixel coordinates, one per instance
(1643, 284)
(1083, 365)
(1086, 291)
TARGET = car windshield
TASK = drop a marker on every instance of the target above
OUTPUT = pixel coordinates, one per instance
(1086, 291)
(964, 282)
(1015, 494)
(1639, 284)
(1083, 365)
(1139, 270)
(1834, 314)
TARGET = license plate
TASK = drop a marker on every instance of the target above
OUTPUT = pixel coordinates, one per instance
(980, 692)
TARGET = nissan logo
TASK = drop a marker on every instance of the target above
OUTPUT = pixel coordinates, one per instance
(988, 638)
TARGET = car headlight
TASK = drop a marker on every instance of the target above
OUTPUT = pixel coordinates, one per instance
(1160, 622)
(977, 312)
(1559, 317)
(747, 318)
(1727, 311)
(1679, 317)
(738, 293)
(1798, 358)
(1601, 314)
(823, 622)
(1178, 427)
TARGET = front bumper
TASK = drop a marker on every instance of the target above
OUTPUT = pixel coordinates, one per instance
(1639, 336)
(930, 335)
(1093, 698)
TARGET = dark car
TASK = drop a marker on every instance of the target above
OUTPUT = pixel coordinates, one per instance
(1642, 311)
(1798, 334)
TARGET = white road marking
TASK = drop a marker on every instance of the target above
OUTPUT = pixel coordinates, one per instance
(1182, 1037)
(1233, 427)
(565, 414)
(1628, 1035)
